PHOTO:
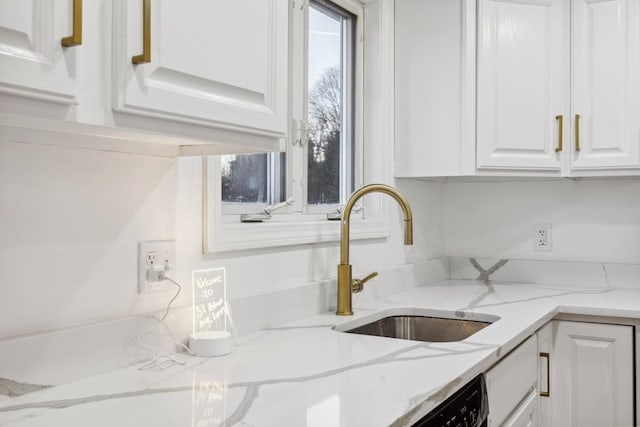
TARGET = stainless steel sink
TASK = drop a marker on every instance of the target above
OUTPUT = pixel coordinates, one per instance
(417, 326)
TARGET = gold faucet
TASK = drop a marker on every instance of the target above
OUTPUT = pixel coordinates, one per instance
(346, 285)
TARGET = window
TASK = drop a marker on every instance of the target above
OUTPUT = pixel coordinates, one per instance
(322, 163)
(330, 103)
(322, 149)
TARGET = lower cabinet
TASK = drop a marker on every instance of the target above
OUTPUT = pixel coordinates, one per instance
(526, 414)
(511, 384)
(590, 375)
(568, 374)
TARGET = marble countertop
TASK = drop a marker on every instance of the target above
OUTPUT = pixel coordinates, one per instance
(307, 374)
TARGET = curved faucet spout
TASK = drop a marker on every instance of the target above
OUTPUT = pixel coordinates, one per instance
(373, 188)
(344, 268)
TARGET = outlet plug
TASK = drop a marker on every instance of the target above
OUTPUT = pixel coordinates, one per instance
(542, 237)
(154, 258)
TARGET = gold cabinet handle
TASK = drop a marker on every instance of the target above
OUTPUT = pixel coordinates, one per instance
(145, 57)
(560, 120)
(544, 393)
(75, 39)
(577, 130)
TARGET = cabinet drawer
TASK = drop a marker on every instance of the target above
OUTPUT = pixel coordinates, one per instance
(525, 415)
(509, 382)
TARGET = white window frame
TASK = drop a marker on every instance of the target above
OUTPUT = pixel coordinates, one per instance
(294, 226)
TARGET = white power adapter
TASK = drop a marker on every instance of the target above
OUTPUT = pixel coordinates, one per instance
(156, 273)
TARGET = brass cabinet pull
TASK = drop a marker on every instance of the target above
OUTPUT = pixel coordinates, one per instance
(577, 123)
(546, 393)
(75, 39)
(560, 120)
(145, 57)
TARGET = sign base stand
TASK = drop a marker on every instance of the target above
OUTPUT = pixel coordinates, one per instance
(210, 343)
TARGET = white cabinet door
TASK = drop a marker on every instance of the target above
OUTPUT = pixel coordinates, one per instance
(606, 83)
(33, 62)
(526, 414)
(591, 379)
(545, 347)
(510, 382)
(434, 87)
(219, 63)
(522, 75)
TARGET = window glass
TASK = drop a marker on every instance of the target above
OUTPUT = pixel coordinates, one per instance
(329, 104)
(253, 178)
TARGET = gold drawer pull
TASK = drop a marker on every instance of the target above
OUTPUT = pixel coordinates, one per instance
(145, 57)
(577, 123)
(560, 120)
(545, 393)
(75, 39)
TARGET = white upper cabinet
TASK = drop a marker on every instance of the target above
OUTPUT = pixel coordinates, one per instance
(213, 78)
(555, 90)
(606, 84)
(221, 64)
(33, 62)
(559, 86)
(522, 63)
(434, 87)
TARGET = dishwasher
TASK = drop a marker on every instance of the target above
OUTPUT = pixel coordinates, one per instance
(468, 407)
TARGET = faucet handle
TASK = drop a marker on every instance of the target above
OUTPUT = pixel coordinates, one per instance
(358, 284)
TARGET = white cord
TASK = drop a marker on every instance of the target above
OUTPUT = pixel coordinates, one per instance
(169, 358)
(163, 276)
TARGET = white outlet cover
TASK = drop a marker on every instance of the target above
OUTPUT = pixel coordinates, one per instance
(537, 228)
(164, 254)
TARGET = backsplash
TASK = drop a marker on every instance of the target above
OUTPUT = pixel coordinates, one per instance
(561, 273)
(593, 220)
(69, 354)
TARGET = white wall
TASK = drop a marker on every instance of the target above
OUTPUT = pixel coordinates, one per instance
(70, 221)
(592, 220)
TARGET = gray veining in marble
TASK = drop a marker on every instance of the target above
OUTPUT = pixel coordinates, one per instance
(606, 275)
(243, 408)
(13, 388)
(476, 301)
(429, 396)
(289, 328)
(485, 275)
(253, 387)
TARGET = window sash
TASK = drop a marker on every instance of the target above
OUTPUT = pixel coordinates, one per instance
(296, 154)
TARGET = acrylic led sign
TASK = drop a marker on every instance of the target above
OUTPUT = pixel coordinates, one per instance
(210, 336)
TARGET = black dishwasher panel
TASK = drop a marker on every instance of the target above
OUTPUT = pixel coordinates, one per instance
(468, 407)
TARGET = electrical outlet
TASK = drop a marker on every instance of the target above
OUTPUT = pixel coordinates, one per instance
(156, 254)
(542, 237)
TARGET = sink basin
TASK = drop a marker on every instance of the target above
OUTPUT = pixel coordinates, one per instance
(420, 325)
